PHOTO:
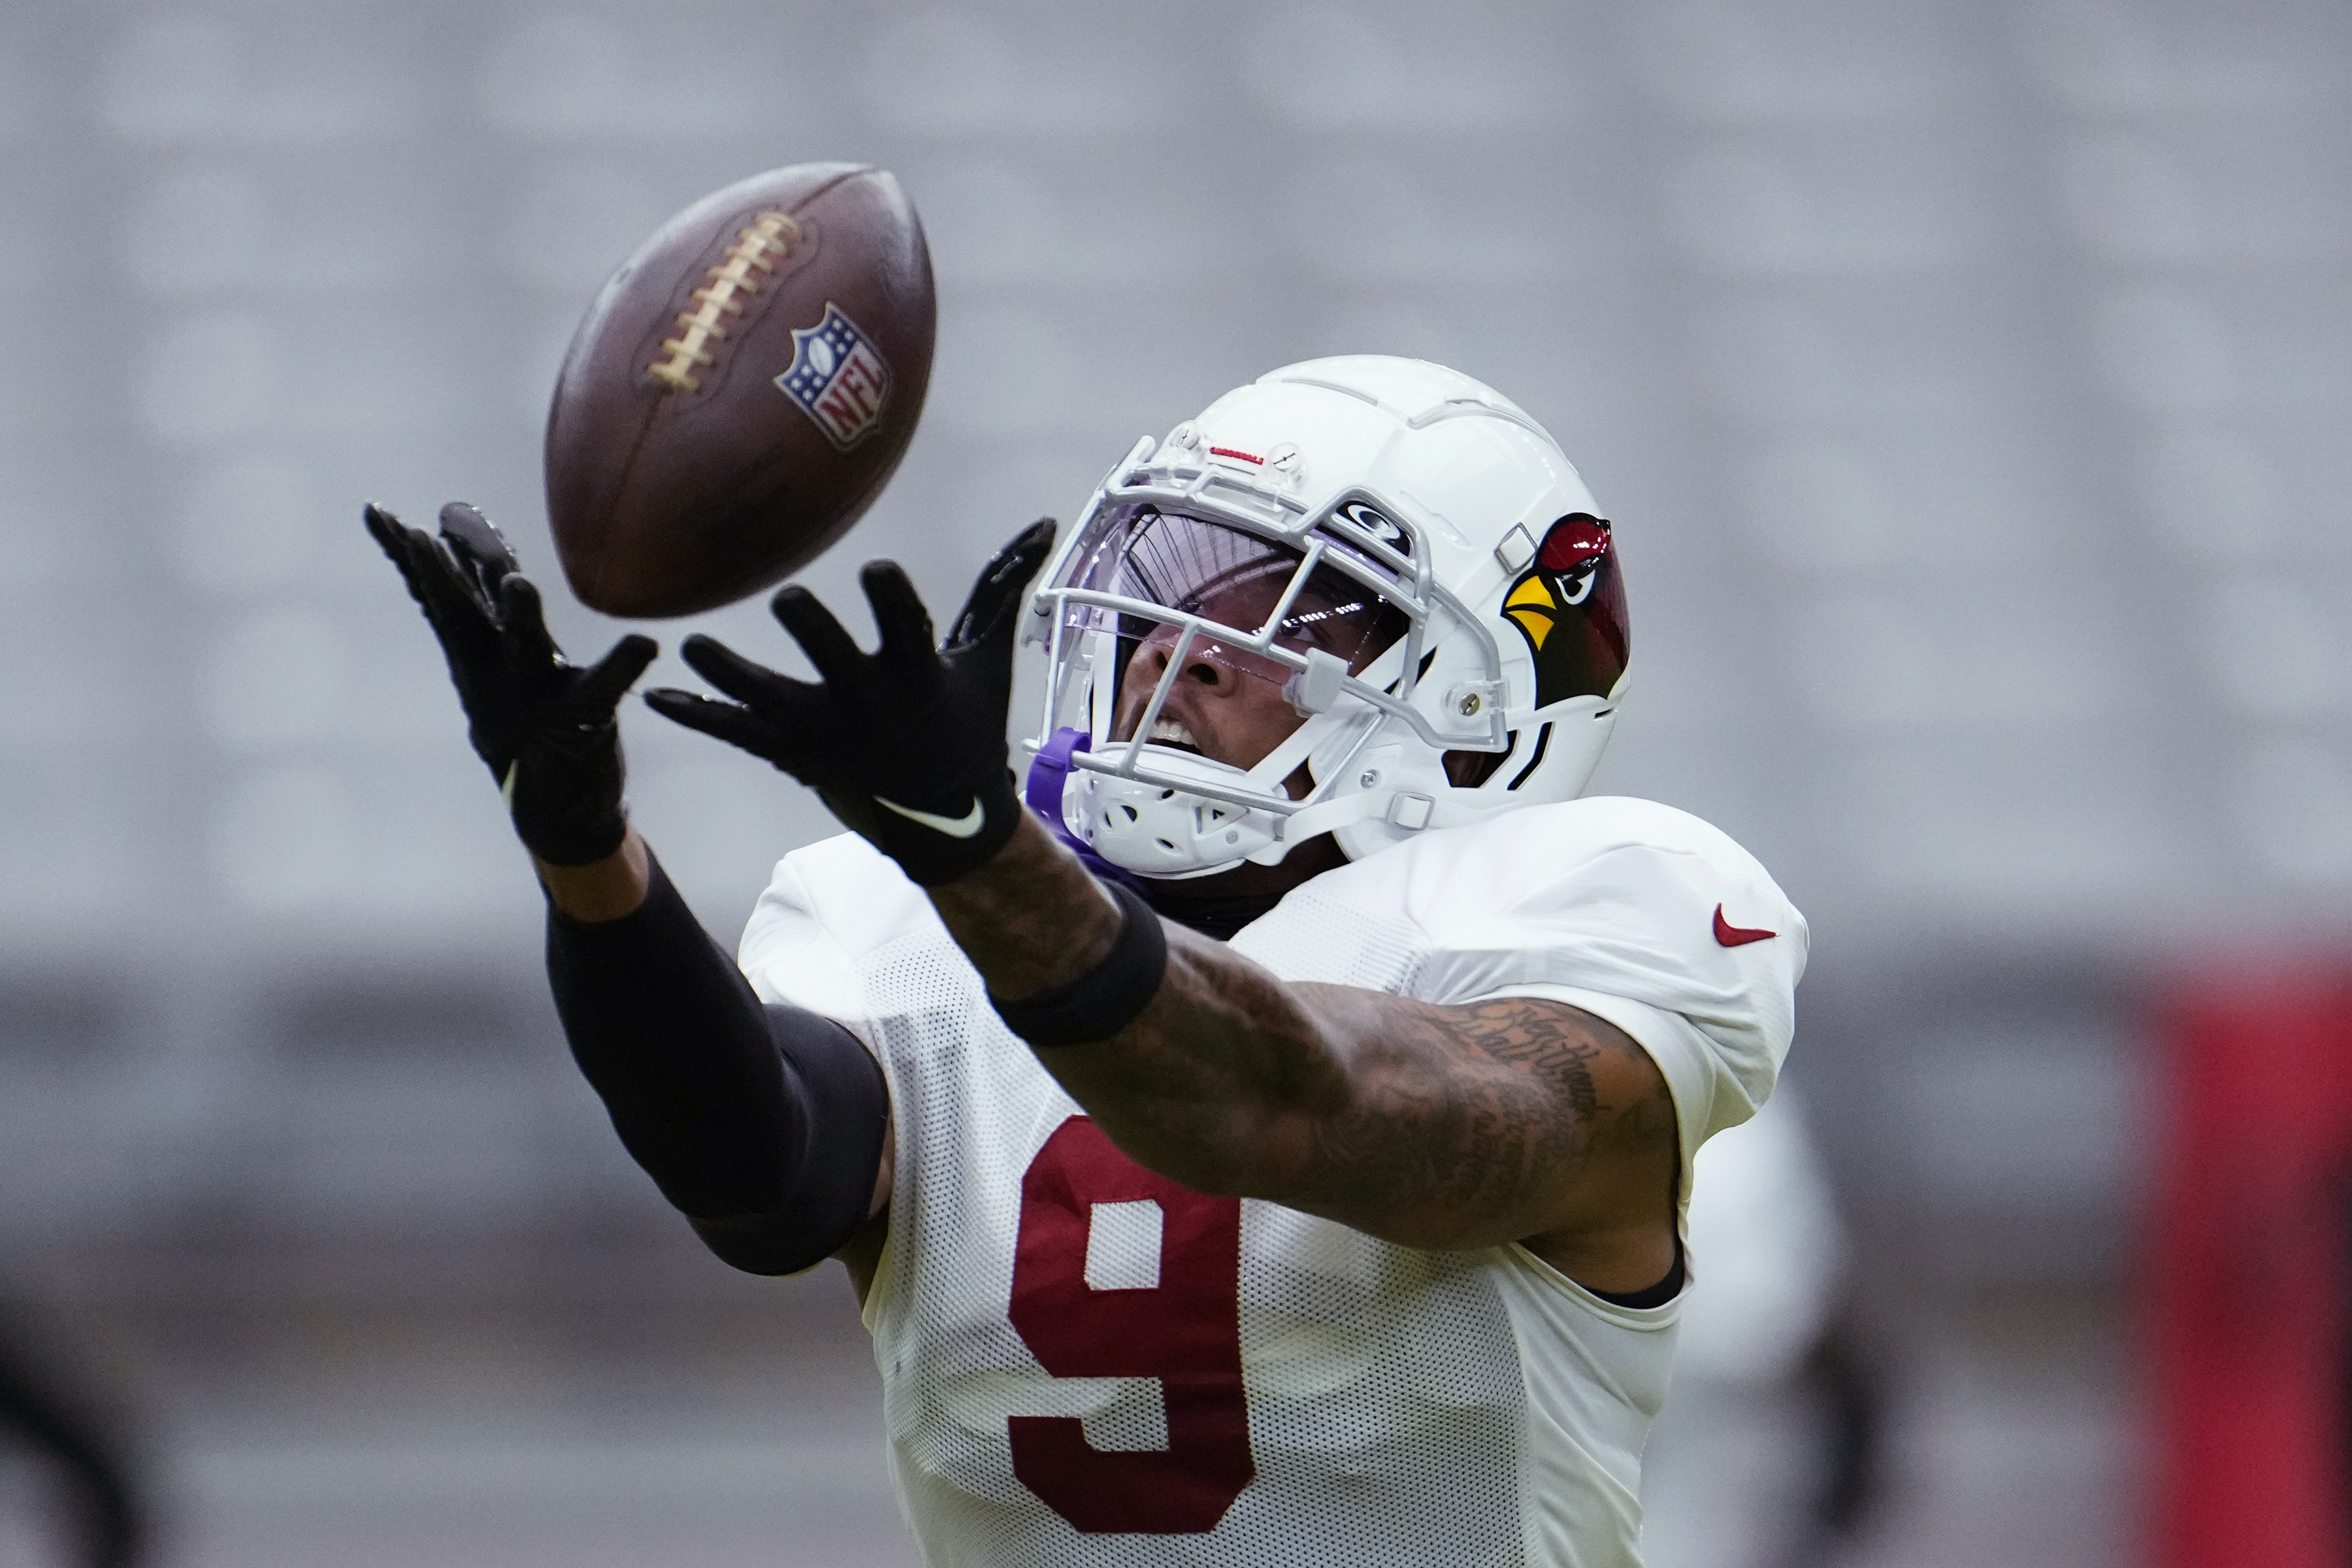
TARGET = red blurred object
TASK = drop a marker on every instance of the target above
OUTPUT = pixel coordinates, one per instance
(2252, 1261)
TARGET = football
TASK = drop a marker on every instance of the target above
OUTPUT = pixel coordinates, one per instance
(740, 391)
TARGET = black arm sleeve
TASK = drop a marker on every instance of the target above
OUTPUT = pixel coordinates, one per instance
(762, 1124)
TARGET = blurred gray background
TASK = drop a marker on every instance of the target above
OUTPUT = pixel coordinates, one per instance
(1970, 385)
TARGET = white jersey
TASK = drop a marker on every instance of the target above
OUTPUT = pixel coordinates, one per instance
(1088, 1366)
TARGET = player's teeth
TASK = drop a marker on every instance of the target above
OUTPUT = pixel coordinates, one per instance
(1174, 731)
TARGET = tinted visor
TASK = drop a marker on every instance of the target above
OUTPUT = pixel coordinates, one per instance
(1193, 567)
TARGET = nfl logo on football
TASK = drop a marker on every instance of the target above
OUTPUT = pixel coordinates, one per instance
(837, 378)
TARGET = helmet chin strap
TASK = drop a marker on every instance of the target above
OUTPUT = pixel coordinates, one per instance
(1174, 819)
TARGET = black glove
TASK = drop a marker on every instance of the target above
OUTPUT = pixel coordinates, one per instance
(906, 743)
(544, 726)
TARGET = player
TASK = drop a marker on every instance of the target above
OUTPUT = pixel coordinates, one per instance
(1353, 1238)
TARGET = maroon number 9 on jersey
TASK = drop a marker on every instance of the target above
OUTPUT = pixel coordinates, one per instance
(1185, 1331)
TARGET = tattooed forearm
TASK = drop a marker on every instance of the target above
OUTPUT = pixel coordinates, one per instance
(1491, 1120)
(1035, 921)
(1437, 1126)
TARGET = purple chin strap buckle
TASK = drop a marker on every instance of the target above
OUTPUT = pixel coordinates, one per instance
(1049, 775)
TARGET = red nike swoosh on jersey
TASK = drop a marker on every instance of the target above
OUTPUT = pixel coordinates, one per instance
(1730, 935)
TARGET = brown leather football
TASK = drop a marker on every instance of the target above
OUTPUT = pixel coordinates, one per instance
(741, 390)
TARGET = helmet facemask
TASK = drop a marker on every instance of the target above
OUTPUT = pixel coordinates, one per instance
(1300, 638)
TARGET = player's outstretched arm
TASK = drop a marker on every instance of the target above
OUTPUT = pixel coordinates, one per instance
(1515, 1120)
(766, 1126)
(1435, 1127)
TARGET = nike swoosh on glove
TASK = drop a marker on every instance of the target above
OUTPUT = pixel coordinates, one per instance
(544, 726)
(906, 744)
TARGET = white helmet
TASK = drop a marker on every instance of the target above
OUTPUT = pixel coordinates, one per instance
(1422, 571)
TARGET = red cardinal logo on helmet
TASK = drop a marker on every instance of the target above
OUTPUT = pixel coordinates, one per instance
(1571, 606)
